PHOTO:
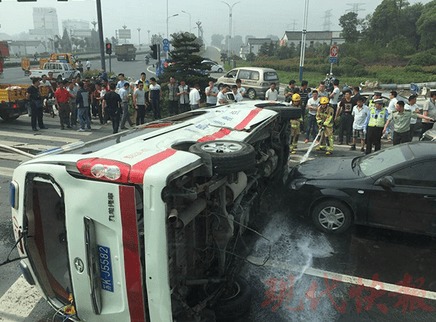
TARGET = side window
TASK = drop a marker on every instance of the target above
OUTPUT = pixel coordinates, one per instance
(232, 74)
(421, 175)
(254, 76)
(244, 74)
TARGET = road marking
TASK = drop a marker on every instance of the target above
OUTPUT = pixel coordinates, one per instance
(42, 137)
(344, 278)
(18, 301)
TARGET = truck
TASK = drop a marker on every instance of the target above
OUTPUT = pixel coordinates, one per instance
(12, 101)
(60, 70)
(125, 52)
(151, 224)
(4, 49)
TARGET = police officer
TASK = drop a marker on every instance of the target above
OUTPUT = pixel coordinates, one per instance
(324, 119)
(374, 125)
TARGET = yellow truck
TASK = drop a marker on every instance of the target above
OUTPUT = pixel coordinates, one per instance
(12, 101)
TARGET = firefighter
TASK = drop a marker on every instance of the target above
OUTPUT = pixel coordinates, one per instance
(324, 119)
(295, 124)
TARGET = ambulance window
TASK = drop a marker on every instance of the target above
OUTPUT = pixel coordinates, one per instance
(46, 244)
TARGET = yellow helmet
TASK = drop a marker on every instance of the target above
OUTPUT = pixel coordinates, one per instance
(323, 100)
(296, 97)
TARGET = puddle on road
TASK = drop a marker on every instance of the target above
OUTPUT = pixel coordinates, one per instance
(283, 293)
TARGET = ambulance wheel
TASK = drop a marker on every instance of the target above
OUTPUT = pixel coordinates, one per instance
(227, 156)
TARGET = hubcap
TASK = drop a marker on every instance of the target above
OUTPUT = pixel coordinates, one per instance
(331, 218)
(221, 147)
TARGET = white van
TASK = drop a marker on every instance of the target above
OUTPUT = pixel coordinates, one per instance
(255, 80)
(147, 225)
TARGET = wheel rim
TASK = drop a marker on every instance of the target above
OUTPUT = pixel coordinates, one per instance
(221, 147)
(331, 218)
(251, 94)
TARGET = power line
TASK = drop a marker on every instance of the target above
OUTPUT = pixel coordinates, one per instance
(327, 20)
(355, 7)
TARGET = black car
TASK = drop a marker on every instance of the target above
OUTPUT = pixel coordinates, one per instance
(393, 188)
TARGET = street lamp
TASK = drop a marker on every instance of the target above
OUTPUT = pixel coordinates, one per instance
(139, 37)
(148, 31)
(189, 19)
(230, 24)
(168, 18)
(303, 39)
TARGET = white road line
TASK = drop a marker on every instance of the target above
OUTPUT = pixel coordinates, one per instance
(6, 172)
(378, 285)
(40, 136)
(19, 301)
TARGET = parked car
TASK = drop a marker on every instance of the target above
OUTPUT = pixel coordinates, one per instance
(429, 135)
(393, 188)
(214, 67)
(148, 225)
(60, 71)
(256, 80)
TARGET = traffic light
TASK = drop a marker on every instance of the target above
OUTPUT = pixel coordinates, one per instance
(108, 48)
(153, 51)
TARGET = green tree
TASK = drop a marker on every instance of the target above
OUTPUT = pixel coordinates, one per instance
(185, 58)
(66, 42)
(387, 21)
(426, 26)
(349, 24)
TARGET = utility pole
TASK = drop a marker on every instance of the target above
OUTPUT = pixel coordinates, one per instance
(303, 39)
(355, 7)
(327, 22)
(230, 24)
(100, 35)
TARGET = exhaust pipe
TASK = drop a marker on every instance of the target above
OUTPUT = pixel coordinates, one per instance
(186, 216)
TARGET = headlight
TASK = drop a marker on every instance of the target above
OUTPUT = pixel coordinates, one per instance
(297, 184)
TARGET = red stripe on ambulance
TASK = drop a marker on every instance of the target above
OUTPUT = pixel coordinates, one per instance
(132, 261)
(138, 169)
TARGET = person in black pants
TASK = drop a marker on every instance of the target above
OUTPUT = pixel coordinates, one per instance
(34, 98)
(112, 103)
(374, 124)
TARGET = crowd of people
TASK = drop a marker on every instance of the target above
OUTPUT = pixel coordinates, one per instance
(355, 119)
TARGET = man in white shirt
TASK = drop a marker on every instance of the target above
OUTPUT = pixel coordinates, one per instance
(222, 97)
(241, 90)
(237, 95)
(211, 94)
(360, 113)
(272, 94)
(413, 107)
(124, 94)
(312, 107)
(334, 95)
(121, 81)
(194, 97)
(88, 65)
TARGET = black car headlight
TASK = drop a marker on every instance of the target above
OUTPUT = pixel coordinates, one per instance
(297, 184)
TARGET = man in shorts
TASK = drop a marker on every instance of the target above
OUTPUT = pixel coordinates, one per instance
(360, 113)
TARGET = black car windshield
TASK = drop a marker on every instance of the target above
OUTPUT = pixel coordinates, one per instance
(382, 160)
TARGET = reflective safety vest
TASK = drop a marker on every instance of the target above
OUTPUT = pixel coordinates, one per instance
(377, 120)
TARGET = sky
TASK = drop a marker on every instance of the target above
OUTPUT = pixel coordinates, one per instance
(257, 18)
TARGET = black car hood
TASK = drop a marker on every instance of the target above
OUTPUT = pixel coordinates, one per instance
(326, 169)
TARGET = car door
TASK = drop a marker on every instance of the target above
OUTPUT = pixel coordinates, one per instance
(410, 205)
(230, 77)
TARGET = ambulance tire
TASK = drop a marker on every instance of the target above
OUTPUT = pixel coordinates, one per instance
(227, 156)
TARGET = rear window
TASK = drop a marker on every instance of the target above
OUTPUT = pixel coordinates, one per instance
(270, 76)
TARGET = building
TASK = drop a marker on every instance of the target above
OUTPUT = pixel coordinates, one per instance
(312, 38)
(253, 45)
(76, 28)
(46, 26)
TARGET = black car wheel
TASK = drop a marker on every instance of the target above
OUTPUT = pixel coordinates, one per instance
(251, 93)
(227, 156)
(220, 70)
(332, 216)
